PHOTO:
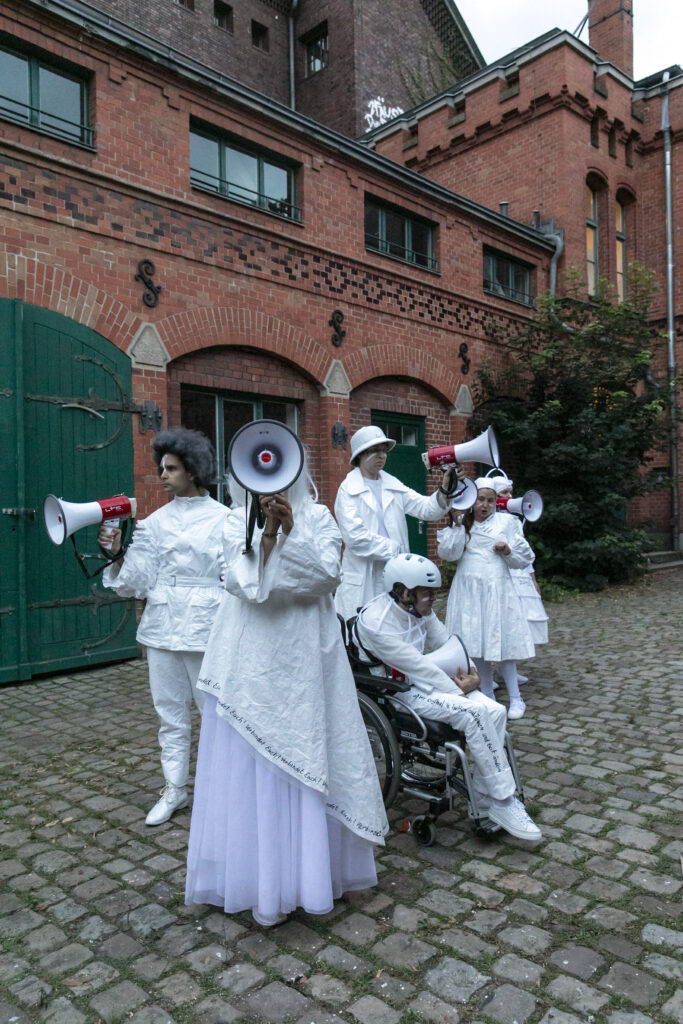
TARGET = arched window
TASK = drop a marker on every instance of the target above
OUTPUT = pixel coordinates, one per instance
(621, 249)
(591, 239)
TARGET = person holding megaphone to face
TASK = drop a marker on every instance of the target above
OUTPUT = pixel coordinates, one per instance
(371, 508)
(175, 562)
(287, 803)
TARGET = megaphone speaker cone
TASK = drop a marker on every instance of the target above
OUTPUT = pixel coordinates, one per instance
(265, 457)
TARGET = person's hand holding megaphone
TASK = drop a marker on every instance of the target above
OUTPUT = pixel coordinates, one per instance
(450, 475)
(109, 538)
(278, 513)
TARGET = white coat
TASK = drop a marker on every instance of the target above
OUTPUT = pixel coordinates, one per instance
(174, 546)
(366, 550)
(278, 667)
(483, 607)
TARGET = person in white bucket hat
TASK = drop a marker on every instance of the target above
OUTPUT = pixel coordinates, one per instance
(371, 508)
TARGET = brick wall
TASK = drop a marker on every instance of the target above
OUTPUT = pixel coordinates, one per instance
(243, 370)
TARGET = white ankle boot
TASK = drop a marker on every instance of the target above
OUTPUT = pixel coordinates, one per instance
(172, 799)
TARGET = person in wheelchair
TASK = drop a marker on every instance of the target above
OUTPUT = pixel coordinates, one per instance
(396, 627)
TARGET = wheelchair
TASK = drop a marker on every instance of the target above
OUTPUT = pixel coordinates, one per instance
(417, 756)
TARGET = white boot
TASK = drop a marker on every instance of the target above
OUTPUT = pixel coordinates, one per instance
(172, 799)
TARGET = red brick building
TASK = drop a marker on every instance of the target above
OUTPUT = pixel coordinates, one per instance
(301, 277)
(559, 132)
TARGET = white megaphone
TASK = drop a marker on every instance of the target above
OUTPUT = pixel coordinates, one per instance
(265, 457)
(530, 505)
(62, 518)
(465, 495)
(451, 656)
(482, 449)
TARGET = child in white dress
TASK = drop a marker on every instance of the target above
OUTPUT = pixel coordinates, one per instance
(483, 606)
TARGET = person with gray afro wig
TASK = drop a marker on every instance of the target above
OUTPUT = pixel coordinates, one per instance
(175, 562)
(194, 450)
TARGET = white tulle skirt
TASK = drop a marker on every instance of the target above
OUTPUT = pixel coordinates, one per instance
(259, 840)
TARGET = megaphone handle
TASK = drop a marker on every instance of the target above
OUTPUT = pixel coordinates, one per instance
(256, 518)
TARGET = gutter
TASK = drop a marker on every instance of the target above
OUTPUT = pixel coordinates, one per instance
(292, 62)
(119, 33)
(670, 321)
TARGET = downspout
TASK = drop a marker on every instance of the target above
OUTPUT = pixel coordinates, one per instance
(558, 239)
(292, 63)
(671, 364)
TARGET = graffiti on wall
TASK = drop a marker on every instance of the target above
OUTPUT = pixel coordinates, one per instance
(379, 113)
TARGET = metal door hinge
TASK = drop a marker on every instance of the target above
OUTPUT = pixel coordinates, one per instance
(30, 512)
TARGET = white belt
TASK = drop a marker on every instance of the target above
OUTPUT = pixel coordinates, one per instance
(188, 581)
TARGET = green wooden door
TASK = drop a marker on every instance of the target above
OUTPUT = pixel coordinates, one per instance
(405, 462)
(53, 617)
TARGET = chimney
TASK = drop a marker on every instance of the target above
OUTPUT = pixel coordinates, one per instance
(611, 32)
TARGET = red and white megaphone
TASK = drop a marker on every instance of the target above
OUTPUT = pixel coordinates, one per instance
(482, 449)
(530, 505)
(465, 495)
(62, 518)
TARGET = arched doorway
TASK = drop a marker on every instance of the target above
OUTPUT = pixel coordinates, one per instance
(65, 428)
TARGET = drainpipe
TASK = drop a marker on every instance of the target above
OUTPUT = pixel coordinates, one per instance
(292, 62)
(666, 132)
(558, 239)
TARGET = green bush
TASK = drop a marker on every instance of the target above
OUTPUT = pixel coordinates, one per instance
(579, 414)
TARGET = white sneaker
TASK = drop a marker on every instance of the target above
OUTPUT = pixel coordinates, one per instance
(172, 799)
(512, 816)
(517, 708)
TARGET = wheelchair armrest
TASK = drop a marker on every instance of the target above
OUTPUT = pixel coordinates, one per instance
(368, 681)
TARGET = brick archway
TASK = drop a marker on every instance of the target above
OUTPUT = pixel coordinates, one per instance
(55, 289)
(207, 326)
(399, 360)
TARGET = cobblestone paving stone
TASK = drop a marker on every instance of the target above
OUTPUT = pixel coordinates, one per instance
(585, 927)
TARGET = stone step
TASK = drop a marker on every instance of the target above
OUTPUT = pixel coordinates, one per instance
(656, 566)
(662, 556)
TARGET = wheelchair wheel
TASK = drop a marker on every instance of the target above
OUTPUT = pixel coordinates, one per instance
(424, 830)
(384, 746)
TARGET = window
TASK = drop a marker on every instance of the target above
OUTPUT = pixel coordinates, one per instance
(259, 36)
(398, 234)
(44, 96)
(222, 15)
(220, 416)
(591, 240)
(621, 250)
(317, 53)
(187, 4)
(243, 175)
(506, 276)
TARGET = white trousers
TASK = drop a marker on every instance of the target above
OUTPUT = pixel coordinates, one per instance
(173, 681)
(483, 722)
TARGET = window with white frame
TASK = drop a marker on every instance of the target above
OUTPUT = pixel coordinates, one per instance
(44, 95)
(396, 233)
(242, 173)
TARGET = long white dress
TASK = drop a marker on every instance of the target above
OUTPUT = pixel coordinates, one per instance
(533, 606)
(483, 606)
(287, 803)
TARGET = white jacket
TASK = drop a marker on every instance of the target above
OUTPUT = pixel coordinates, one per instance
(278, 667)
(399, 640)
(175, 545)
(367, 551)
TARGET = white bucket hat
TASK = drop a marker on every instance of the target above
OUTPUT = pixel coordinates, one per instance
(368, 437)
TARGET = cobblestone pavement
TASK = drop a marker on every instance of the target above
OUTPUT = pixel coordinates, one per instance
(585, 926)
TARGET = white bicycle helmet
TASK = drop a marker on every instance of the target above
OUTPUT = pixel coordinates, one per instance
(412, 571)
